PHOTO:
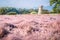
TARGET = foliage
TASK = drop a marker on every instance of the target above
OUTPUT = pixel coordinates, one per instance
(56, 4)
(11, 13)
(26, 11)
(33, 12)
(11, 10)
(3, 11)
(45, 12)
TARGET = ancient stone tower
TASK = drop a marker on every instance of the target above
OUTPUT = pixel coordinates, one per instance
(40, 9)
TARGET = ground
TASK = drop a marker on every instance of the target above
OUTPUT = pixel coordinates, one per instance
(30, 27)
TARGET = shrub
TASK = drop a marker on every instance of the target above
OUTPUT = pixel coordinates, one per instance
(11, 13)
(33, 12)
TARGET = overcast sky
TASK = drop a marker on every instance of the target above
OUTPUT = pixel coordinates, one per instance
(25, 3)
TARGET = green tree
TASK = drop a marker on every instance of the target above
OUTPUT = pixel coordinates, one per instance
(11, 13)
(33, 11)
(2, 11)
(56, 4)
(9, 10)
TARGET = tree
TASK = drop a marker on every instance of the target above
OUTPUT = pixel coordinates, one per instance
(11, 13)
(56, 4)
(2, 11)
(11, 9)
(33, 11)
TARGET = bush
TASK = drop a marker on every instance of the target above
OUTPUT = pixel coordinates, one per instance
(33, 12)
(11, 13)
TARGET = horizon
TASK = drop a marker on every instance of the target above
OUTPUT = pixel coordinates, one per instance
(28, 4)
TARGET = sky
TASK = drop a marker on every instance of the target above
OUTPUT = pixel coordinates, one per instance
(26, 3)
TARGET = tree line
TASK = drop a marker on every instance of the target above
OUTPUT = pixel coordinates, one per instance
(11, 10)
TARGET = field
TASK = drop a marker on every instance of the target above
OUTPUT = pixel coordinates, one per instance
(30, 27)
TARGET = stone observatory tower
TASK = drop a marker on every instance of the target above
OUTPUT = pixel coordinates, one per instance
(40, 9)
